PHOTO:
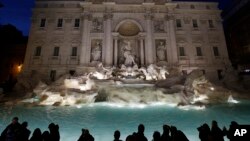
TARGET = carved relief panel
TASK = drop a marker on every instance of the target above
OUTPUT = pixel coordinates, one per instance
(159, 26)
(97, 25)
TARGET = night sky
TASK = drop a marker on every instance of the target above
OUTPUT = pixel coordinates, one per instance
(18, 12)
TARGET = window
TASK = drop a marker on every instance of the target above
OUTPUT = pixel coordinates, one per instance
(38, 51)
(77, 23)
(52, 75)
(216, 51)
(43, 23)
(72, 72)
(192, 7)
(203, 72)
(219, 73)
(60, 23)
(178, 23)
(211, 23)
(33, 72)
(74, 51)
(195, 24)
(184, 72)
(56, 51)
(182, 51)
(198, 51)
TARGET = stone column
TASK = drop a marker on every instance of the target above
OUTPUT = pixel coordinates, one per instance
(108, 59)
(172, 36)
(142, 51)
(149, 51)
(115, 36)
(84, 40)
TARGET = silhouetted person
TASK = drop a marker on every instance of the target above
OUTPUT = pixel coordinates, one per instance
(37, 135)
(140, 134)
(177, 135)
(165, 135)
(46, 136)
(117, 135)
(54, 132)
(82, 135)
(216, 132)
(12, 131)
(131, 137)
(24, 132)
(156, 136)
(230, 133)
(86, 136)
(204, 133)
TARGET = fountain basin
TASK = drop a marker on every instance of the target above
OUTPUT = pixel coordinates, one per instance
(102, 119)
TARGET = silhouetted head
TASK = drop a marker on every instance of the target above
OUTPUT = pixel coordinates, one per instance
(156, 135)
(141, 128)
(203, 128)
(51, 126)
(206, 127)
(117, 134)
(165, 128)
(45, 134)
(15, 120)
(25, 124)
(86, 132)
(234, 123)
(214, 123)
(37, 132)
(173, 129)
(57, 127)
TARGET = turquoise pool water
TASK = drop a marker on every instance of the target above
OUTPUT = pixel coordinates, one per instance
(103, 119)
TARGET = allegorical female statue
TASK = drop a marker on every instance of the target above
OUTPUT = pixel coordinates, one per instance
(161, 52)
(96, 52)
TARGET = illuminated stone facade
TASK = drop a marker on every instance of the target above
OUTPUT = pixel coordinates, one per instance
(72, 35)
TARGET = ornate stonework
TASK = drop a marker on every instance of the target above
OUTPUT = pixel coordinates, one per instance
(97, 25)
(159, 26)
(124, 32)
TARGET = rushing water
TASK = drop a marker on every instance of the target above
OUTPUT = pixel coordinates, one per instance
(103, 119)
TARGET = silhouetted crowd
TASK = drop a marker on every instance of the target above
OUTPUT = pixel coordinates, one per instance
(19, 132)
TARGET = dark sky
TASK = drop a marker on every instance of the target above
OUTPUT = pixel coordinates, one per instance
(18, 12)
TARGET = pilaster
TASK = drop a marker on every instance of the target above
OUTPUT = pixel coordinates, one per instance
(115, 37)
(149, 41)
(172, 36)
(85, 49)
(108, 39)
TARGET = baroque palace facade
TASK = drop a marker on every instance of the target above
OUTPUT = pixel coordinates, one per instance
(74, 35)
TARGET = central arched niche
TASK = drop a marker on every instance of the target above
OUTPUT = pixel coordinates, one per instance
(128, 28)
(128, 42)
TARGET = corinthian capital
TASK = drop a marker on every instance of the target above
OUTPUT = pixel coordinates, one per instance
(87, 16)
(108, 16)
(169, 17)
(148, 16)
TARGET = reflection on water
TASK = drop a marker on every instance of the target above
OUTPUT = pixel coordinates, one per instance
(103, 119)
